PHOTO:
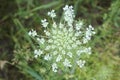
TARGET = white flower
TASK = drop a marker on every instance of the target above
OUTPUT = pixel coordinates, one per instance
(54, 67)
(47, 57)
(88, 34)
(54, 25)
(69, 47)
(60, 48)
(55, 52)
(48, 47)
(59, 58)
(67, 63)
(50, 41)
(81, 63)
(85, 39)
(42, 40)
(53, 46)
(87, 50)
(70, 41)
(79, 25)
(59, 33)
(74, 46)
(54, 31)
(37, 53)
(32, 33)
(69, 54)
(47, 33)
(69, 14)
(77, 33)
(52, 14)
(73, 38)
(79, 52)
(44, 23)
(63, 52)
(90, 26)
(61, 25)
(70, 29)
(78, 42)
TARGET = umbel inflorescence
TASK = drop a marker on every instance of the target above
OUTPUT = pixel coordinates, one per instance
(64, 43)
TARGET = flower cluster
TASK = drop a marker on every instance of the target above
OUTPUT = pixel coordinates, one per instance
(64, 43)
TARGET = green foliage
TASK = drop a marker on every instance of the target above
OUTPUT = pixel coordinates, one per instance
(113, 16)
(14, 40)
(28, 70)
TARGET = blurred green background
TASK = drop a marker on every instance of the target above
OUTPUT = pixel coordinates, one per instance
(19, 16)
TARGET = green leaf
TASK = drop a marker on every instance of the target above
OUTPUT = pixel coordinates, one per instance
(19, 24)
(45, 6)
(30, 71)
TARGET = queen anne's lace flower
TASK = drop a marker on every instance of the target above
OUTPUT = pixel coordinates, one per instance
(44, 23)
(54, 67)
(65, 42)
(67, 63)
(78, 25)
(47, 57)
(52, 14)
(41, 41)
(59, 58)
(69, 14)
(32, 33)
(88, 34)
(81, 63)
(37, 53)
